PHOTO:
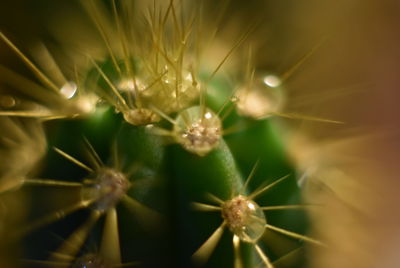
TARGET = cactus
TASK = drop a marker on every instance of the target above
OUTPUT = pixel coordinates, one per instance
(147, 155)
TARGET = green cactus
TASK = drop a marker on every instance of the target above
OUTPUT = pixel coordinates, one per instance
(152, 160)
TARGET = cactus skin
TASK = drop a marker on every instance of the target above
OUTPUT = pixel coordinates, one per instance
(167, 179)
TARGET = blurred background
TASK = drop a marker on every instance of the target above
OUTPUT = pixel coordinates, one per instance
(352, 76)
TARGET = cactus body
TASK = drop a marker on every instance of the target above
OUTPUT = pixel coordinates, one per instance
(152, 171)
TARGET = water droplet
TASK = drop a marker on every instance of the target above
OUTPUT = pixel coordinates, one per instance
(234, 99)
(69, 89)
(7, 101)
(174, 91)
(262, 98)
(86, 104)
(126, 85)
(196, 133)
(272, 80)
(244, 218)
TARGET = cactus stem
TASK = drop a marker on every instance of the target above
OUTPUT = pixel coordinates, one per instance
(54, 216)
(65, 108)
(71, 246)
(263, 257)
(52, 183)
(237, 260)
(205, 207)
(204, 252)
(295, 235)
(263, 189)
(30, 64)
(286, 207)
(73, 160)
(110, 245)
